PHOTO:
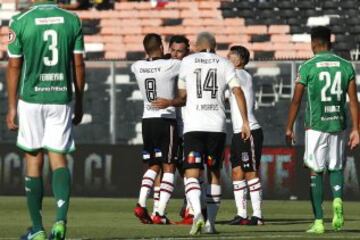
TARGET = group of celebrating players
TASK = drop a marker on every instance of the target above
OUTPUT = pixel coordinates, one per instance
(183, 126)
(183, 122)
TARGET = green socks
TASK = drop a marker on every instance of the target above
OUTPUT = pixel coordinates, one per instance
(34, 194)
(61, 183)
(316, 192)
(337, 183)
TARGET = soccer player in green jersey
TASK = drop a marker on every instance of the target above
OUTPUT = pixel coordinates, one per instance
(327, 78)
(44, 43)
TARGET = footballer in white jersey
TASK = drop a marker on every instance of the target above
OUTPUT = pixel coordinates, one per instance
(156, 78)
(203, 79)
(245, 155)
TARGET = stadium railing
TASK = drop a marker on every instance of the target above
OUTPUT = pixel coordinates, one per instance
(113, 102)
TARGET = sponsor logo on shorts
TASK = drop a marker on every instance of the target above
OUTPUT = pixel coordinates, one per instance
(245, 156)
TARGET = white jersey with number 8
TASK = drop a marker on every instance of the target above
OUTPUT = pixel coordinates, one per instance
(157, 79)
(205, 77)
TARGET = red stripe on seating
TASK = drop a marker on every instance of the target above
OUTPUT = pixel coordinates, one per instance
(168, 183)
(193, 188)
(156, 199)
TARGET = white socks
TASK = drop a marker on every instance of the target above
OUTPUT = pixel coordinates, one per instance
(156, 198)
(146, 186)
(203, 187)
(166, 189)
(240, 194)
(213, 198)
(255, 196)
(193, 192)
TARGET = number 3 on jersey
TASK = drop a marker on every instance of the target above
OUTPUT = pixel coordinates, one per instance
(51, 35)
(335, 86)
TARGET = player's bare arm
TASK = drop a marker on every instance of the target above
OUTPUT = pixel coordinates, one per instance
(241, 102)
(179, 101)
(294, 108)
(79, 83)
(354, 110)
(12, 78)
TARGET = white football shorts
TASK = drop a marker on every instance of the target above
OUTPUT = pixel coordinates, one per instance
(324, 150)
(45, 126)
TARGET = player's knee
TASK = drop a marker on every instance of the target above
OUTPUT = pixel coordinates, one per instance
(251, 175)
(237, 174)
(168, 168)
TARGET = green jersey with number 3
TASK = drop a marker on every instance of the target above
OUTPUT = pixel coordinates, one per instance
(326, 77)
(46, 37)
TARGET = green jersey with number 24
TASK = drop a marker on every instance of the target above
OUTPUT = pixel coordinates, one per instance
(326, 77)
(46, 37)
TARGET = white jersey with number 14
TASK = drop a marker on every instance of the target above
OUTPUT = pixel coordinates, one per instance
(205, 77)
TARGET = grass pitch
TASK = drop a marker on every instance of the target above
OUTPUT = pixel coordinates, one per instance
(102, 218)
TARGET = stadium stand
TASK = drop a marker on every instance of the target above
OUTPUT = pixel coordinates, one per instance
(271, 30)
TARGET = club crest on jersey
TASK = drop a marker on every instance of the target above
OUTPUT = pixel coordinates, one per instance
(11, 36)
(245, 156)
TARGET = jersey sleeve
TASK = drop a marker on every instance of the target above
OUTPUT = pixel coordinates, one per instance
(230, 75)
(176, 67)
(133, 68)
(182, 75)
(15, 48)
(302, 76)
(352, 74)
(79, 37)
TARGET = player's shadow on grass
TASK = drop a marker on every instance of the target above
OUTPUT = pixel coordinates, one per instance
(289, 221)
(278, 221)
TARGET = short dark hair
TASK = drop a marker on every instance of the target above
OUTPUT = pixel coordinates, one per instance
(242, 52)
(322, 34)
(179, 39)
(152, 42)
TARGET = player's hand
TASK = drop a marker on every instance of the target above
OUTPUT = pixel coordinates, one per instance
(161, 103)
(78, 114)
(245, 131)
(10, 120)
(354, 139)
(289, 137)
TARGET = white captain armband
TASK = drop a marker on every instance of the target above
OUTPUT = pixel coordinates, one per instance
(181, 84)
